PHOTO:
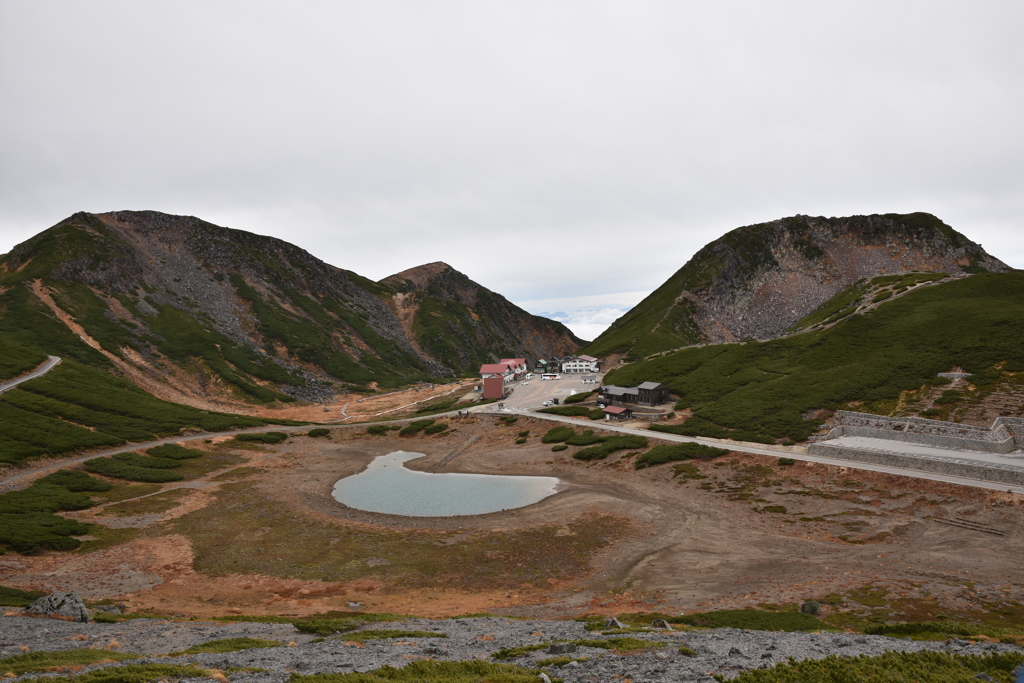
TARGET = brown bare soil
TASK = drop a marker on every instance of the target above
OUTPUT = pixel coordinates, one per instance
(360, 408)
(262, 535)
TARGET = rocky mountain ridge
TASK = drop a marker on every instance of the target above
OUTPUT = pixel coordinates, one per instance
(177, 302)
(755, 282)
(461, 323)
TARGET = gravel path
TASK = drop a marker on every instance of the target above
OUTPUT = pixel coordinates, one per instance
(38, 372)
(724, 651)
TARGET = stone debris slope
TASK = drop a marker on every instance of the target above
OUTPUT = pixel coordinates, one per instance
(724, 651)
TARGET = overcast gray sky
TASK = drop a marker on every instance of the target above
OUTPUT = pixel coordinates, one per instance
(570, 155)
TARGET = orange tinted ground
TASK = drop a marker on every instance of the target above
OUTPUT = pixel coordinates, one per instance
(359, 407)
(267, 538)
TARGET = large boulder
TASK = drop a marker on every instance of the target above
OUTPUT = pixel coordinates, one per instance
(61, 605)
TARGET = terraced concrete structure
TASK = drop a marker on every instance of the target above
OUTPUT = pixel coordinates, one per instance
(989, 454)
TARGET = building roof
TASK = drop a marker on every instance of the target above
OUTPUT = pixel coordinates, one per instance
(494, 368)
(612, 390)
(513, 361)
(650, 386)
(615, 410)
(589, 359)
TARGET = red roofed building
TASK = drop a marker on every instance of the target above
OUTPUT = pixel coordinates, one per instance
(517, 365)
(617, 413)
(492, 369)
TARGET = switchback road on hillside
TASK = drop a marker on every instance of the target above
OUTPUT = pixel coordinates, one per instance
(747, 448)
(38, 372)
(11, 482)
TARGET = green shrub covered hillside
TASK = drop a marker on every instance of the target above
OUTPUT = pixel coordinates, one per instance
(760, 390)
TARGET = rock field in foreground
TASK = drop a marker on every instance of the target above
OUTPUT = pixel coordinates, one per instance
(724, 651)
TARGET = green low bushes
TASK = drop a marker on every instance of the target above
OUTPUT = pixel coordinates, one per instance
(435, 428)
(27, 519)
(27, 532)
(40, 497)
(415, 427)
(75, 480)
(45, 661)
(587, 438)
(579, 398)
(697, 426)
(558, 434)
(12, 597)
(891, 667)
(132, 673)
(263, 437)
(326, 627)
(148, 462)
(679, 451)
(609, 445)
(558, 447)
(174, 452)
(318, 432)
(431, 671)
(381, 430)
(231, 645)
(945, 629)
(117, 469)
(754, 620)
(17, 360)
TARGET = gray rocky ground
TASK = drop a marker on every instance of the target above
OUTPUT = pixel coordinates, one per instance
(724, 651)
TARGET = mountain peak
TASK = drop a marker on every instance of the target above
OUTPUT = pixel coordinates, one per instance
(755, 282)
(419, 276)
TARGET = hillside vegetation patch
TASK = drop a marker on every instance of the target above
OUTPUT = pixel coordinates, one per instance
(762, 389)
(892, 667)
(681, 451)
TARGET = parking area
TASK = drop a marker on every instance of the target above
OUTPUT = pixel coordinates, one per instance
(534, 392)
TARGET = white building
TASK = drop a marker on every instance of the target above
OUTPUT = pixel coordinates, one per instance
(580, 364)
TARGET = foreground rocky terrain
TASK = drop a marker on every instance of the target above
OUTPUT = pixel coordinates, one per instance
(655, 657)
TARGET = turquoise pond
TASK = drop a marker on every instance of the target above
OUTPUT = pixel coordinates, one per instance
(387, 486)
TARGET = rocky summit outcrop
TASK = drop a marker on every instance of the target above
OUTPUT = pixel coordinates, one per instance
(755, 282)
(463, 324)
(185, 307)
(59, 604)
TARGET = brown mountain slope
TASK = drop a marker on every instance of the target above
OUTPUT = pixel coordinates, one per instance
(463, 324)
(187, 308)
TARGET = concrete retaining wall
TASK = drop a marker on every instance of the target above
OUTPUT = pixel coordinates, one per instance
(1004, 436)
(972, 469)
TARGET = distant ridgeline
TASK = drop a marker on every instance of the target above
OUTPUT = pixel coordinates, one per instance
(870, 342)
(188, 310)
(759, 281)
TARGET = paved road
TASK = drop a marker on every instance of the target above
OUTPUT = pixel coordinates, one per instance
(38, 372)
(746, 448)
(909, 448)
